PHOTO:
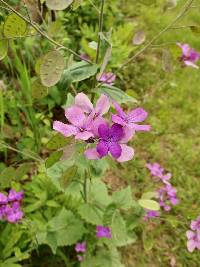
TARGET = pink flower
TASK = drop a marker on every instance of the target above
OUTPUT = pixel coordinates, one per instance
(189, 56)
(131, 119)
(3, 199)
(102, 231)
(155, 169)
(167, 197)
(112, 140)
(151, 214)
(80, 247)
(195, 225)
(194, 235)
(102, 106)
(107, 78)
(15, 196)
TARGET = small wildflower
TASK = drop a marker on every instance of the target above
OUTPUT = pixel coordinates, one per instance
(80, 258)
(189, 56)
(107, 78)
(80, 247)
(193, 235)
(102, 231)
(151, 214)
(155, 169)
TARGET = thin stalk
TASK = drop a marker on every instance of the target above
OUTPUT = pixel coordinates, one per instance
(38, 29)
(85, 188)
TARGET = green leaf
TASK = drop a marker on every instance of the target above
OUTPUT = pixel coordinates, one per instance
(123, 198)
(76, 4)
(68, 176)
(14, 26)
(149, 195)
(82, 70)
(116, 94)
(51, 68)
(53, 158)
(22, 170)
(3, 48)
(6, 176)
(109, 213)
(99, 193)
(38, 89)
(195, 29)
(149, 204)
(58, 4)
(91, 214)
(57, 141)
(148, 240)
(147, 2)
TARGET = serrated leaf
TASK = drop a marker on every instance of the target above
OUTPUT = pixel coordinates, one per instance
(51, 68)
(14, 26)
(38, 89)
(139, 38)
(53, 158)
(91, 214)
(123, 198)
(82, 70)
(149, 204)
(3, 48)
(57, 141)
(6, 176)
(68, 176)
(116, 94)
(58, 4)
(108, 214)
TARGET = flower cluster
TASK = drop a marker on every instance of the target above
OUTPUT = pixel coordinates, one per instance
(86, 123)
(10, 206)
(189, 56)
(193, 235)
(166, 194)
(80, 248)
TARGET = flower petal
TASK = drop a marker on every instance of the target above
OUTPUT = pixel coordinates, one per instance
(65, 129)
(191, 64)
(104, 131)
(91, 153)
(75, 116)
(140, 128)
(83, 102)
(102, 149)
(84, 135)
(128, 134)
(117, 119)
(116, 132)
(96, 123)
(127, 153)
(119, 110)
(115, 150)
(190, 234)
(137, 115)
(191, 245)
(102, 105)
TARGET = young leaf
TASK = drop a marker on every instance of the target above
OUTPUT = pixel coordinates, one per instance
(82, 70)
(14, 26)
(54, 157)
(116, 94)
(38, 89)
(149, 204)
(58, 4)
(51, 68)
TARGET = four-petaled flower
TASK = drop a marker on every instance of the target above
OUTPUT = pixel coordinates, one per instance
(102, 231)
(131, 119)
(189, 56)
(112, 140)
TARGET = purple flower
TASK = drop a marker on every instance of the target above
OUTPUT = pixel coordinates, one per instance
(3, 199)
(155, 169)
(15, 196)
(131, 119)
(102, 106)
(14, 215)
(151, 214)
(167, 197)
(195, 225)
(112, 140)
(193, 240)
(102, 231)
(107, 78)
(80, 247)
(189, 56)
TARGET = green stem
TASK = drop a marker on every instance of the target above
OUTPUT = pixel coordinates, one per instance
(85, 188)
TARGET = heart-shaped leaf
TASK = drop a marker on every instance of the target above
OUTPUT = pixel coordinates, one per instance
(14, 26)
(51, 68)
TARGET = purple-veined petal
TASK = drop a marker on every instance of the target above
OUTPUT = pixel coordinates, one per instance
(102, 149)
(140, 128)
(117, 119)
(65, 129)
(128, 134)
(116, 132)
(119, 110)
(84, 135)
(190, 234)
(185, 49)
(75, 116)
(102, 105)
(91, 153)
(137, 115)
(115, 150)
(83, 102)
(96, 123)
(127, 153)
(191, 245)
(104, 131)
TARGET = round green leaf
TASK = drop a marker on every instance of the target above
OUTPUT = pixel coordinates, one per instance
(14, 26)
(38, 89)
(51, 68)
(149, 204)
(58, 4)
